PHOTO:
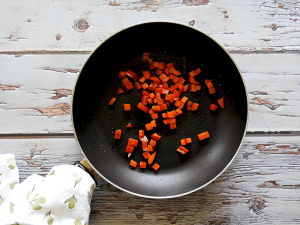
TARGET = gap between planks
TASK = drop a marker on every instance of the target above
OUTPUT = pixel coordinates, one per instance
(71, 135)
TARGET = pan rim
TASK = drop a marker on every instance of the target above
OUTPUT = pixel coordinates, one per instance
(198, 188)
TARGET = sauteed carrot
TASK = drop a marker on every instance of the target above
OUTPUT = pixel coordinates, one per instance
(111, 102)
(161, 87)
(118, 134)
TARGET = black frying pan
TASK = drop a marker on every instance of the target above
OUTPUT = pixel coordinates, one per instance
(95, 122)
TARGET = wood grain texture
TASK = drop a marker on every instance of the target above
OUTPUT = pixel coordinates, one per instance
(36, 92)
(260, 186)
(81, 25)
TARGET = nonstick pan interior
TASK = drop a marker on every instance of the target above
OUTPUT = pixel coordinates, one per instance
(95, 122)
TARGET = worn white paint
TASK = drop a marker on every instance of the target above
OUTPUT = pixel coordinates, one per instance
(252, 25)
(259, 186)
(274, 78)
(43, 45)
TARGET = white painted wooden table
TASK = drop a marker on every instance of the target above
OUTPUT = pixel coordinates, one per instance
(43, 45)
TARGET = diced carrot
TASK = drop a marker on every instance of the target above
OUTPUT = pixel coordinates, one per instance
(129, 149)
(122, 74)
(155, 80)
(112, 101)
(177, 72)
(151, 158)
(170, 114)
(174, 79)
(197, 71)
(163, 78)
(155, 166)
(183, 142)
(182, 150)
(170, 65)
(160, 101)
(177, 93)
(209, 84)
(178, 111)
(163, 107)
(150, 148)
(207, 80)
(155, 116)
(133, 163)
(153, 123)
(186, 88)
(148, 126)
(146, 53)
(176, 86)
(221, 102)
(159, 90)
(118, 134)
(156, 64)
(155, 136)
(156, 108)
(145, 93)
(192, 73)
(146, 74)
(171, 98)
(142, 79)
(188, 140)
(144, 145)
(203, 136)
(213, 107)
(192, 80)
(212, 90)
(125, 82)
(193, 88)
(119, 91)
(155, 100)
(143, 165)
(137, 85)
(131, 73)
(151, 112)
(173, 120)
(141, 134)
(129, 86)
(165, 91)
(133, 142)
(181, 80)
(189, 105)
(152, 86)
(143, 107)
(162, 65)
(145, 99)
(184, 99)
(181, 88)
(151, 64)
(144, 85)
(127, 107)
(181, 105)
(172, 125)
(194, 106)
(159, 72)
(158, 95)
(166, 121)
(198, 87)
(128, 125)
(164, 115)
(167, 72)
(153, 142)
(146, 154)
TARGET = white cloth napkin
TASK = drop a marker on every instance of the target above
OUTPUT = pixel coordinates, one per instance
(63, 197)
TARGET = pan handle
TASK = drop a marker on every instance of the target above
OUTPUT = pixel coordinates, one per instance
(84, 164)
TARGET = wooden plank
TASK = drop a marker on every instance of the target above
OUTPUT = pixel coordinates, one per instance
(71, 25)
(36, 91)
(260, 186)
